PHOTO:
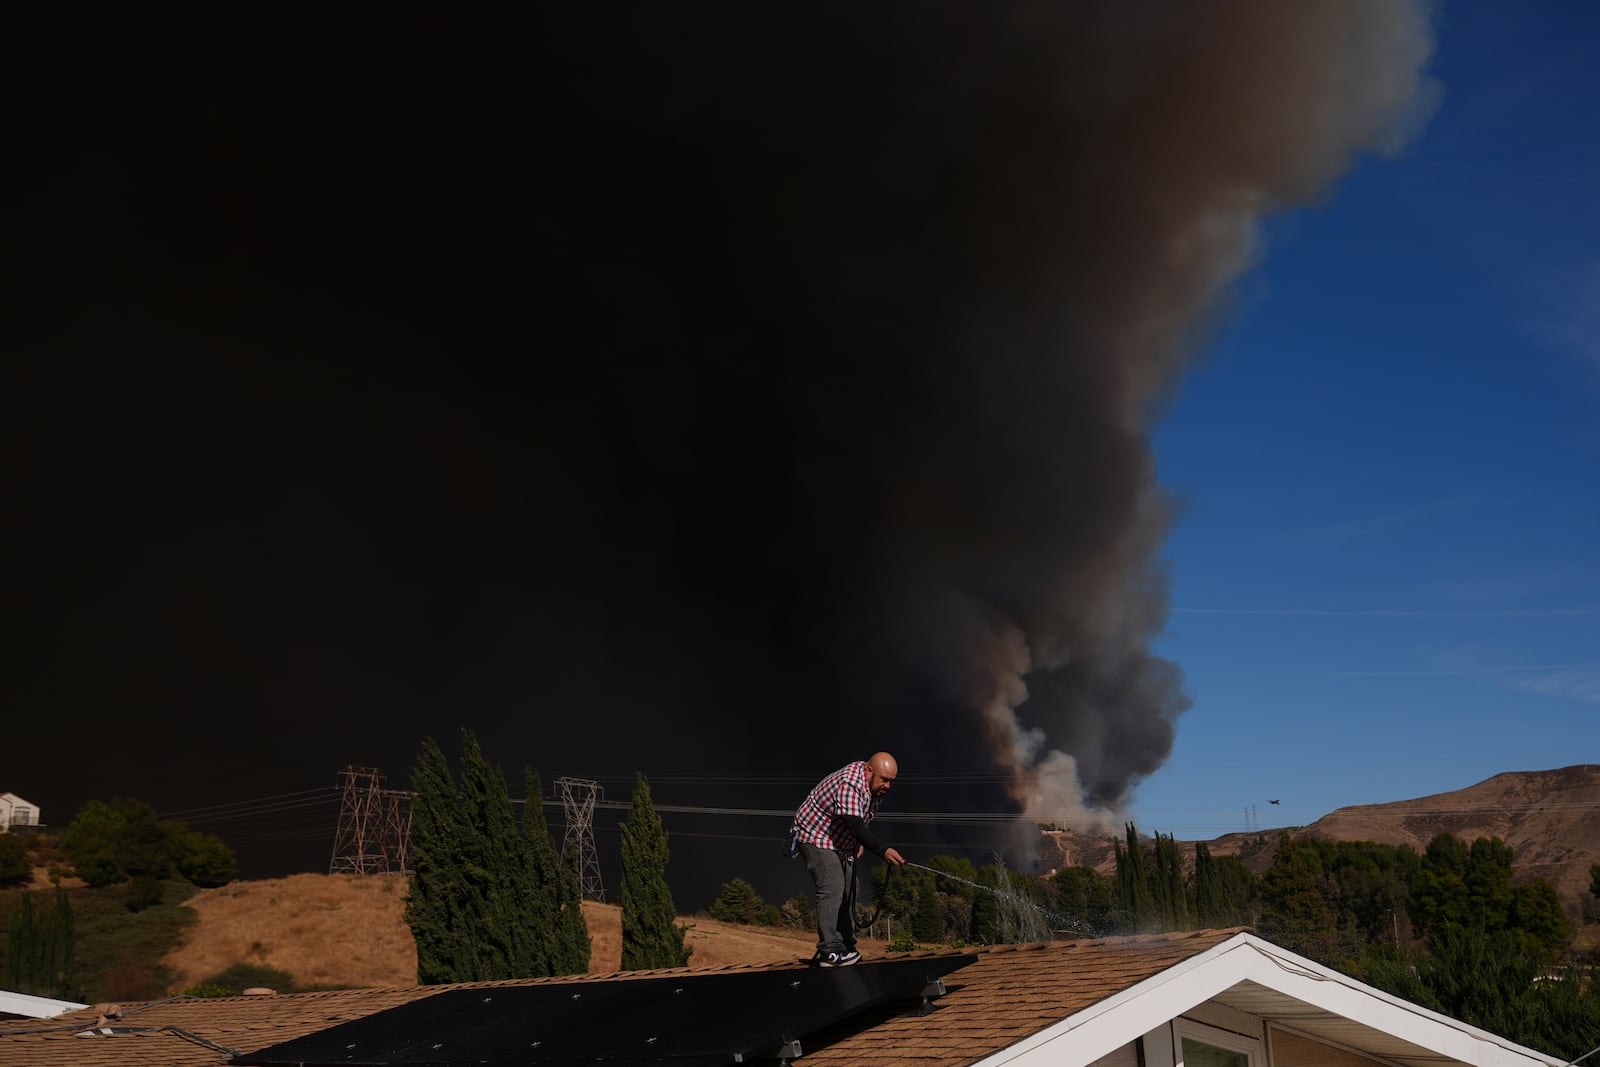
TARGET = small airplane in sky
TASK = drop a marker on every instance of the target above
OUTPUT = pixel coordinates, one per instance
(1272, 802)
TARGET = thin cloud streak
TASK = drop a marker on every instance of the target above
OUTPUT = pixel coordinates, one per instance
(1466, 672)
(1580, 681)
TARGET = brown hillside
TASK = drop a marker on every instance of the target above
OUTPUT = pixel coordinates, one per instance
(1551, 820)
(346, 930)
(1068, 848)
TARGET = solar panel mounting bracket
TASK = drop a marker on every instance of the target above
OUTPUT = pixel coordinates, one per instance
(789, 1050)
(935, 988)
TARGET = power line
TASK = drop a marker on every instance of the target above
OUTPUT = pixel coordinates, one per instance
(241, 809)
(326, 796)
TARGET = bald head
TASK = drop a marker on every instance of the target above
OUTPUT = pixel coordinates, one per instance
(881, 772)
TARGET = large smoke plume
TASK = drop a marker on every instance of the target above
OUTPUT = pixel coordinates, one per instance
(686, 388)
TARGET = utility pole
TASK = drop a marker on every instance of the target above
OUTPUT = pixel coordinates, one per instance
(578, 796)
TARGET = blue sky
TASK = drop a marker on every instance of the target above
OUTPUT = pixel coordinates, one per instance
(1386, 570)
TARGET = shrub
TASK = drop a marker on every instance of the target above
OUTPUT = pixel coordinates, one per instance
(241, 976)
(740, 903)
(143, 891)
(15, 867)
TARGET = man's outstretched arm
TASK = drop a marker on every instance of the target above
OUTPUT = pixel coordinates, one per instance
(858, 827)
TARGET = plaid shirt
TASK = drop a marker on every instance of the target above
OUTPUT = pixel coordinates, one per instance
(844, 792)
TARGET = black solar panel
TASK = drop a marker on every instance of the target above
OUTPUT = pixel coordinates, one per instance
(678, 1021)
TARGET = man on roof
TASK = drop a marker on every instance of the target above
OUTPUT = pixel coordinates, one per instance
(830, 833)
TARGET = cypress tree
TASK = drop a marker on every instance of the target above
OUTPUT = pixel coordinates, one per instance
(572, 930)
(65, 939)
(40, 951)
(651, 936)
(1133, 883)
(988, 919)
(489, 898)
(1168, 887)
(1210, 907)
(19, 948)
(516, 923)
(928, 926)
(436, 905)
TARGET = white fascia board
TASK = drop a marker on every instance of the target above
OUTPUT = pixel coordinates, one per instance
(1109, 1024)
(35, 1007)
(1339, 993)
(1087, 1035)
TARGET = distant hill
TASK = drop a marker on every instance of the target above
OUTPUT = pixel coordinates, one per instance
(1551, 820)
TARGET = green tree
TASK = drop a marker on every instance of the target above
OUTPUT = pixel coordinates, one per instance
(1486, 979)
(1439, 895)
(1134, 900)
(1213, 908)
(1488, 882)
(928, 925)
(19, 946)
(651, 936)
(144, 843)
(1297, 903)
(40, 952)
(895, 889)
(489, 898)
(14, 865)
(798, 913)
(438, 906)
(1539, 921)
(110, 843)
(198, 857)
(515, 919)
(1372, 883)
(962, 873)
(1084, 899)
(1168, 887)
(93, 842)
(1461, 887)
(988, 919)
(738, 902)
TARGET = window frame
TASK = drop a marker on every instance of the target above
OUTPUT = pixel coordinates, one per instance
(1227, 1040)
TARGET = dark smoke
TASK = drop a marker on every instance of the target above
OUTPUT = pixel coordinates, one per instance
(697, 390)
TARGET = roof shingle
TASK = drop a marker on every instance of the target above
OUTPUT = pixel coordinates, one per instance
(1011, 992)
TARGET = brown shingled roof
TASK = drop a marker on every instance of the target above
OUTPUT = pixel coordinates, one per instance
(1012, 991)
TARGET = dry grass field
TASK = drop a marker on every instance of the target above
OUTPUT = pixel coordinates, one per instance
(345, 930)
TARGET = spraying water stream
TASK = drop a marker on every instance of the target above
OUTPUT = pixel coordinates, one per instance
(1020, 919)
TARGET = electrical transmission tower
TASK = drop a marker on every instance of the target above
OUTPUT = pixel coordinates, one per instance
(374, 834)
(578, 796)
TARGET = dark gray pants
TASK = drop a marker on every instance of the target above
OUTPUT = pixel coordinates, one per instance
(835, 878)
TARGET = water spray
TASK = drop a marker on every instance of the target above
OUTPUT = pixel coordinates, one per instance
(1050, 921)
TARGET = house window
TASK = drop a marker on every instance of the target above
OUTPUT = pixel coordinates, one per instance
(1206, 1046)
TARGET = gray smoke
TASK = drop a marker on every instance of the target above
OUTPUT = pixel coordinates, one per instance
(1043, 210)
(662, 389)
